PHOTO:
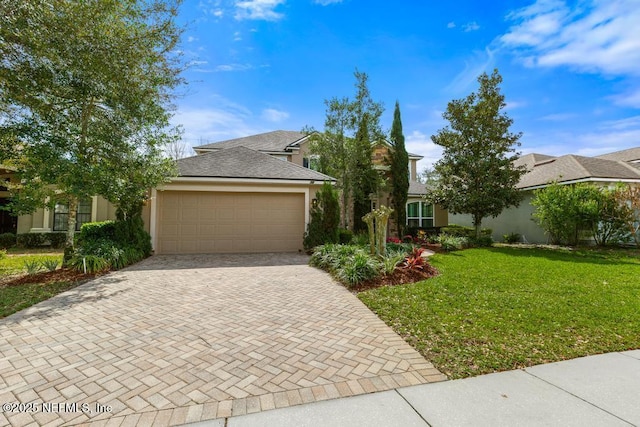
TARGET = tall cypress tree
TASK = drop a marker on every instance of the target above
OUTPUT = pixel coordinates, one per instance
(399, 163)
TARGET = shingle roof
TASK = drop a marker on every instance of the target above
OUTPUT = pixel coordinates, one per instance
(274, 141)
(571, 167)
(417, 188)
(530, 160)
(629, 155)
(242, 162)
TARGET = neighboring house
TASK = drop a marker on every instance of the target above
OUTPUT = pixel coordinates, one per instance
(607, 169)
(249, 194)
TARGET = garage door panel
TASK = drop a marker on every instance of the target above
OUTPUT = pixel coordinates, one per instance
(212, 222)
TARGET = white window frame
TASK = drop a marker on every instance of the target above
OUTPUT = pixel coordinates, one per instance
(421, 215)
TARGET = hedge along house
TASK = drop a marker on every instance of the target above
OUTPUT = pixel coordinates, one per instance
(542, 170)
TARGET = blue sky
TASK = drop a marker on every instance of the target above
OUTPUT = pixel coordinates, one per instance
(571, 69)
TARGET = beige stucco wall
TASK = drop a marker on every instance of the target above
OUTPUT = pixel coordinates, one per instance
(296, 157)
(413, 167)
(512, 220)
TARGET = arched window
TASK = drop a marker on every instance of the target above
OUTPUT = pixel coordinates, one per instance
(420, 215)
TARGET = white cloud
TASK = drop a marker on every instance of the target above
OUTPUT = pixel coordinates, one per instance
(608, 136)
(481, 62)
(629, 99)
(233, 67)
(558, 117)
(326, 2)
(274, 116)
(218, 13)
(258, 10)
(594, 36)
(237, 36)
(470, 26)
(226, 120)
(512, 105)
(451, 24)
(418, 143)
(191, 39)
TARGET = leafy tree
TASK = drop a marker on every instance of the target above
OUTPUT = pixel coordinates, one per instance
(344, 148)
(476, 173)
(84, 98)
(628, 200)
(325, 218)
(569, 212)
(399, 163)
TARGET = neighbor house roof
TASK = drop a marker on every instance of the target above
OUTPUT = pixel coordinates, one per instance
(630, 155)
(530, 160)
(242, 162)
(576, 168)
(276, 141)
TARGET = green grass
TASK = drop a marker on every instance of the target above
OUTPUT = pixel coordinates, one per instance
(504, 308)
(16, 298)
(14, 263)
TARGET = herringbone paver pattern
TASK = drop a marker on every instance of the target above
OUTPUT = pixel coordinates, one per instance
(179, 339)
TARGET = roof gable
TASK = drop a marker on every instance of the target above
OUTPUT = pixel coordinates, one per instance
(242, 162)
(276, 141)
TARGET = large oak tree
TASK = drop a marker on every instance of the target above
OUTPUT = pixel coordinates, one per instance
(476, 171)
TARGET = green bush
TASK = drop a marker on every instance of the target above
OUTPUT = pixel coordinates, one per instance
(482, 241)
(32, 266)
(7, 240)
(50, 264)
(464, 231)
(57, 240)
(345, 236)
(104, 230)
(93, 263)
(350, 264)
(31, 240)
(3, 254)
(391, 261)
(511, 238)
(325, 218)
(453, 243)
(358, 268)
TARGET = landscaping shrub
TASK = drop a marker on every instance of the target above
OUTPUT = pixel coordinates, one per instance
(481, 242)
(350, 264)
(361, 239)
(453, 243)
(464, 231)
(31, 240)
(392, 260)
(511, 238)
(399, 247)
(57, 240)
(358, 268)
(50, 264)
(325, 217)
(32, 266)
(3, 254)
(345, 236)
(415, 260)
(94, 231)
(7, 240)
(92, 263)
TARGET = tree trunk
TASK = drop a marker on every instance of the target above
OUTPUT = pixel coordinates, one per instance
(71, 229)
(477, 223)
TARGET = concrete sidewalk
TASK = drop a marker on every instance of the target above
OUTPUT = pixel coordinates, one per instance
(602, 390)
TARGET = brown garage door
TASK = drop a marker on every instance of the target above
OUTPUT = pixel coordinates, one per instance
(209, 222)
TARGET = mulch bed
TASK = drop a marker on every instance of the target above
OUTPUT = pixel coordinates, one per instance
(45, 277)
(400, 276)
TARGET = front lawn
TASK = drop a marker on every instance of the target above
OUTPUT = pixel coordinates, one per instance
(504, 308)
(19, 290)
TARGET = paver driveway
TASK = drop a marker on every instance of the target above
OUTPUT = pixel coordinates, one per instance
(178, 339)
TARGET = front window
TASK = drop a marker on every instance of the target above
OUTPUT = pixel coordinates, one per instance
(61, 215)
(312, 162)
(419, 215)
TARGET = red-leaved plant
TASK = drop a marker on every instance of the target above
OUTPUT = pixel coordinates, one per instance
(414, 261)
